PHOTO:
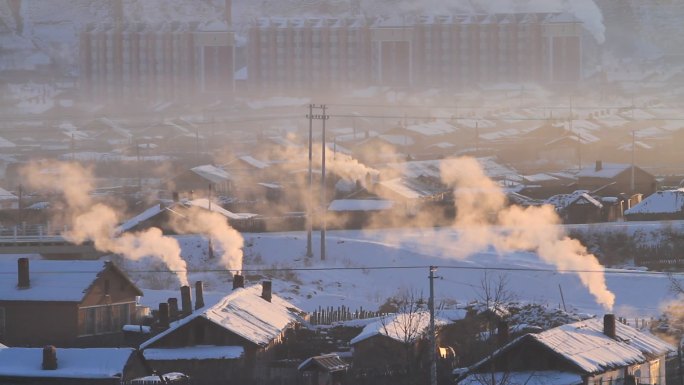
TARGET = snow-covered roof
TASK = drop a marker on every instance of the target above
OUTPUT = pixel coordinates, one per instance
(215, 207)
(254, 162)
(360, 205)
(562, 201)
(49, 280)
(660, 202)
(584, 344)
(212, 173)
(89, 363)
(524, 378)
(244, 313)
(402, 327)
(329, 362)
(143, 216)
(409, 188)
(6, 195)
(4, 143)
(438, 127)
(605, 171)
(200, 352)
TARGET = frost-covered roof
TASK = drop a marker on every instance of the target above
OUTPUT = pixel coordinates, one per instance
(212, 173)
(360, 205)
(49, 280)
(660, 202)
(215, 207)
(439, 127)
(6, 195)
(584, 344)
(329, 362)
(71, 363)
(524, 378)
(562, 201)
(246, 314)
(606, 171)
(200, 352)
(402, 327)
(143, 216)
(254, 162)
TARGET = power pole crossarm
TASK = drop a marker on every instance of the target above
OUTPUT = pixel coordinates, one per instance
(311, 116)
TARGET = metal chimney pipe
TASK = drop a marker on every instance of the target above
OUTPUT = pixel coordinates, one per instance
(24, 281)
(49, 358)
(173, 308)
(186, 300)
(163, 315)
(238, 281)
(609, 325)
(199, 295)
(266, 290)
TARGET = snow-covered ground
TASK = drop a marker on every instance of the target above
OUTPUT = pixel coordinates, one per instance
(364, 268)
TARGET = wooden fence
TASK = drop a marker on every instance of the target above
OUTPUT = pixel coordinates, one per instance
(330, 315)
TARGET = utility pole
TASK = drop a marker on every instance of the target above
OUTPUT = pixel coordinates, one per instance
(309, 220)
(433, 339)
(631, 185)
(322, 117)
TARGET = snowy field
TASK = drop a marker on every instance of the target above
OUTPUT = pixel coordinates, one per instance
(364, 268)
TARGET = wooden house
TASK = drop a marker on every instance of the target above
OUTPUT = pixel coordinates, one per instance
(578, 207)
(67, 303)
(50, 365)
(663, 205)
(230, 342)
(327, 369)
(612, 179)
(590, 352)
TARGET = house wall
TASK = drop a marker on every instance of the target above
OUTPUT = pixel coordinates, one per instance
(378, 351)
(35, 323)
(644, 183)
(206, 372)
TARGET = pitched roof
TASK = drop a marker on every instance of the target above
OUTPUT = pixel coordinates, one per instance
(524, 378)
(584, 345)
(606, 171)
(661, 202)
(212, 173)
(402, 327)
(329, 362)
(71, 363)
(244, 313)
(63, 281)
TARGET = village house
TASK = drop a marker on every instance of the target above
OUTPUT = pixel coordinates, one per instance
(228, 342)
(662, 205)
(612, 179)
(201, 181)
(326, 369)
(65, 303)
(50, 365)
(590, 352)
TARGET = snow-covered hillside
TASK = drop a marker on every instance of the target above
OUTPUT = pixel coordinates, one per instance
(354, 273)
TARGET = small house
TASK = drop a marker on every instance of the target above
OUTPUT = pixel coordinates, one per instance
(228, 342)
(67, 303)
(50, 365)
(611, 179)
(327, 369)
(590, 352)
(662, 205)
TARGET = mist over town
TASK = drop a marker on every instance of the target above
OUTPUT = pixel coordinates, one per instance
(341, 192)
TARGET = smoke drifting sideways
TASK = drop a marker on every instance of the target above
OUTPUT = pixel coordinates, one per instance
(197, 219)
(483, 219)
(96, 222)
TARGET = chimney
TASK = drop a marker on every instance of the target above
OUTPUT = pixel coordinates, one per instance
(599, 165)
(238, 281)
(186, 300)
(173, 308)
(163, 315)
(502, 335)
(199, 295)
(266, 290)
(49, 358)
(609, 325)
(229, 13)
(23, 272)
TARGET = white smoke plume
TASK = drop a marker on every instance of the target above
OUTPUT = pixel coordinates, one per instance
(483, 219)
(96, 222)
(346, 167)
(214, 225)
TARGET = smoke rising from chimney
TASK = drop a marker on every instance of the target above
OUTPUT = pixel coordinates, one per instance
(97, 222)
(483, 219)
(214, 225)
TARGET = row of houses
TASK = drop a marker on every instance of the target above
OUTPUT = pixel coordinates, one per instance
(251, 335)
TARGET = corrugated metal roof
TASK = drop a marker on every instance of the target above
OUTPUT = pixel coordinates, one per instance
(328, 362)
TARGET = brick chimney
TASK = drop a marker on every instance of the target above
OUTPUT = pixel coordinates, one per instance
(199, 295)
(609, 325)
(186, 300)
(502, 333)
(266, 291)
(238, 281)
(599, 165)
(173, 308)
(49, 358)
(24, 282)
(163, 315)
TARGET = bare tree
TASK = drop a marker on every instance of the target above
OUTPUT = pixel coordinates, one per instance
(495, 291)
